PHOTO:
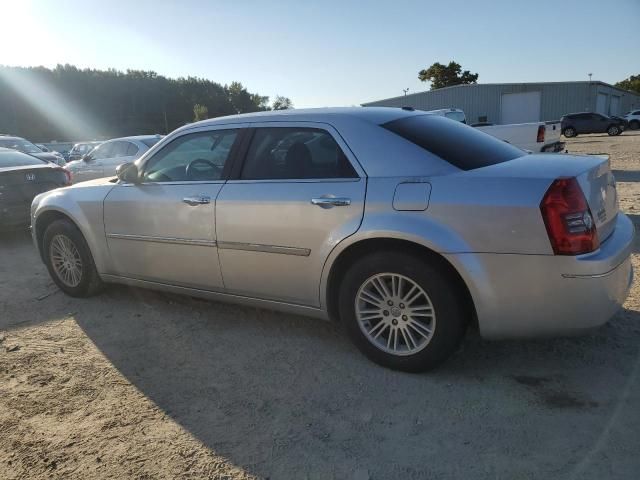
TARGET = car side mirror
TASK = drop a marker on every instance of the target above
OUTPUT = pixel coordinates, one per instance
(128, 173)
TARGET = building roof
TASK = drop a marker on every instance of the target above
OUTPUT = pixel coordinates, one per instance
(509, 84)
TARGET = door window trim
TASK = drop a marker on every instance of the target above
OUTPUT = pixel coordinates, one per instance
(209, 128)
(240, 161)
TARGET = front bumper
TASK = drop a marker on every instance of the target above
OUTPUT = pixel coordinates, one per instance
(519, 296)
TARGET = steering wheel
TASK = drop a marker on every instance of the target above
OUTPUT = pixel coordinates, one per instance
(193, 174)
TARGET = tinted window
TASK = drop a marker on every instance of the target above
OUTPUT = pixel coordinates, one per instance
(195, 157)
(132, 149)
(458, 144)
(457, 116)
(295, 153)
(17, 159)
(150, 142)
(636, 112)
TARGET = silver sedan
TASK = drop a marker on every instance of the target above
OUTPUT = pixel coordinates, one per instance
(405, 227)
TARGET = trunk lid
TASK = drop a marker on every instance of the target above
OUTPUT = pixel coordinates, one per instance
(593, 173)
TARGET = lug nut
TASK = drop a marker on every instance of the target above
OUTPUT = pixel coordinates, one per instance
(390, 303)
(386, 313)
(402, 305)
(404, 317)
(394, 321)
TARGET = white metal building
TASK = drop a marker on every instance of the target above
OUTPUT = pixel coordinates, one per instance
(503, 103)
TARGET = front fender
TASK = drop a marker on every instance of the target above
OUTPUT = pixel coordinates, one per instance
(84, 207)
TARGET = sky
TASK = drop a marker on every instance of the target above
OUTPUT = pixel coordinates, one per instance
(328, 53)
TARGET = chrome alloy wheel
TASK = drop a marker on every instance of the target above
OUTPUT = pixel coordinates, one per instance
(395, 314)
(66, 260)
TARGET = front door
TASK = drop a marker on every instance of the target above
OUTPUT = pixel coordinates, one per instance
(298, 194)
(163, 229)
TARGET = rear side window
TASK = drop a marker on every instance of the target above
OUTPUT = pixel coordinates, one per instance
(295, 153)
(460, 145)
(150, 142)
(17, 159)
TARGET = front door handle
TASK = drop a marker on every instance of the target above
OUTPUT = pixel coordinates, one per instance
(197, 200)
(329, 202)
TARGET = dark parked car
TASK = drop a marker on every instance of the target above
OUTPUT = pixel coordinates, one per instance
(25, 146)
(22, 177)
(576, 123)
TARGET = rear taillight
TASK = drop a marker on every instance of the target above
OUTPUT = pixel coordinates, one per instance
(68, 176)
(568, 218)
(540, 137)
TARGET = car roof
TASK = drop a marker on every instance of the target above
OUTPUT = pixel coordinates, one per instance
(378, 115)
(133, 137)
(10, 137)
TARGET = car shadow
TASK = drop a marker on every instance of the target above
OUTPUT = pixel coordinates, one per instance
(627, 175)
(288, 397)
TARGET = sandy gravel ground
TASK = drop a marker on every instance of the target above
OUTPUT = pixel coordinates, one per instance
(138, 384)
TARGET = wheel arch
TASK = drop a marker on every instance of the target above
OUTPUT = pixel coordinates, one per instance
(352, 252)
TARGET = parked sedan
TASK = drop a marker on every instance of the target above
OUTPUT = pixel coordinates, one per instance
(25, 146)
(22, 177)
(576, 123)
(403, 226)
(103, 160)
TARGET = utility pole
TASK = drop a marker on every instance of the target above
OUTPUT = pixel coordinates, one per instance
(405, 90)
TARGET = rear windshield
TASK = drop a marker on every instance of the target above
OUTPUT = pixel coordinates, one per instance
(150, 142)
(17, 159)
(20, 145)
(458, 144)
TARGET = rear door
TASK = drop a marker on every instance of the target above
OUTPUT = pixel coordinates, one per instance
(297, 194)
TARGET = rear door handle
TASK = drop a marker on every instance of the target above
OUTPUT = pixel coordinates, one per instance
(197, 200)
(329, 202)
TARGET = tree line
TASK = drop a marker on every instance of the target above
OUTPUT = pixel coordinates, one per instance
(67, 103)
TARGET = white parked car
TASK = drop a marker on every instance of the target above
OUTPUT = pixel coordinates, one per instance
(533, 136)
(633, 117)
(103, 160)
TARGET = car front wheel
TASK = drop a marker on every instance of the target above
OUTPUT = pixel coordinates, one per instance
(613, 130)
(401, 311)
(69, 260)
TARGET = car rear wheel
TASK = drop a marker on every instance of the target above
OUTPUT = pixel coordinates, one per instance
(402, 312)
(569, 132)
(634, 124)
(613, 130)
(69, 260)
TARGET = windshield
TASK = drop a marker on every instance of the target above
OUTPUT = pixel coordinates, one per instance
(457, 116)
(460, 145)
(19, 144)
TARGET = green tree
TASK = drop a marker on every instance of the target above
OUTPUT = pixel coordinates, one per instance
(281, 103)
(446, 75)
(632, 84)
(200, 112)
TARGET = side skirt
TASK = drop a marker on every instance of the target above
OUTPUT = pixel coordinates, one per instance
(291, 308)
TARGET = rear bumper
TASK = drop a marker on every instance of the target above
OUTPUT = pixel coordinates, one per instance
(553, 147)
(519, 296)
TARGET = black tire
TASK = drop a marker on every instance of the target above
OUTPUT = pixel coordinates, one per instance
(90, 282)
(569, 132)
(451, 316)
(613, 130)
(634, 124)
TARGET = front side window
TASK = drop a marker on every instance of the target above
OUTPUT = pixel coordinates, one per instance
(103, 151)
(194, 157)
(295, 153)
